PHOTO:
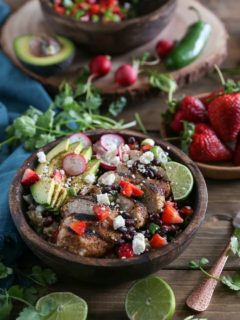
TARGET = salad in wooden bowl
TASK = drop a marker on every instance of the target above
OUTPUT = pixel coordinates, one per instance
(108, 203)
(207, 127)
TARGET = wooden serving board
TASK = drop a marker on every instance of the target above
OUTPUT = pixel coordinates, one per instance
(29, 19)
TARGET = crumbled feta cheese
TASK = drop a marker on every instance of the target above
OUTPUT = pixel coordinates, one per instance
(125, 157)
(62, 172)
(108, 179)
(146, 157)
(90, 178)
(115, 161)
(39, 209)
(138, 244)
(118, 222)
(103, 198)
(41, 157)
(130, 163)
(68, 182)
(148, 141)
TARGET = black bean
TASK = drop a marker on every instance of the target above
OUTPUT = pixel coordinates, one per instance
(125, 215)
(130, 222)
(47, 221)
(122, 229)
(131, 140)
(106, 189)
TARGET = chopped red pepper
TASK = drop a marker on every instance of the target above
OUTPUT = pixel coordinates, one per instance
(78, 227)
(157, 241)
(171, 215)
(128, 189)
(29, 177)
(101, 211)
(187, 211)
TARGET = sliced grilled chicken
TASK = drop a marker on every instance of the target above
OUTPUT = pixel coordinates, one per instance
(88, 245)
(163, 186)
(153, 197)
(140, 215)
(78, 204)
(125, 204)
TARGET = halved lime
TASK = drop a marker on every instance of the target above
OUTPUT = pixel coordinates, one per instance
(150, 299)
(62, 305)
(181, 179)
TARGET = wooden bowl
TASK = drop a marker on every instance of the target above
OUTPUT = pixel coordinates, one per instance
(108, 269)
(112, 38)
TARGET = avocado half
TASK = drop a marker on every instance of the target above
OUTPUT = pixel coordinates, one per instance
(45, 65)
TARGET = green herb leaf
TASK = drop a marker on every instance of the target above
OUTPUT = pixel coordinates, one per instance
(233, 282)
(16, 291)
(235, 246)
(153, 228)
(5, 271)
(196, 264)
(71, 192)
(29, 314)
(31, 294)
(43, 276)
(162, 81)
(24, 127)
(5, 307)
(186, 135)
(46, 119)
(117, 106)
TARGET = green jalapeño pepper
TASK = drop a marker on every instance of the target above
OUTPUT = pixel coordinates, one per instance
(191, 46)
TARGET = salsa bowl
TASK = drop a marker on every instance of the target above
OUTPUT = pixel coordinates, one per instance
(112, 38)
(110, 270)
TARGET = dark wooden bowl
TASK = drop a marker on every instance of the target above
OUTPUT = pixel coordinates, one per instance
(101, 269)
(112, 38)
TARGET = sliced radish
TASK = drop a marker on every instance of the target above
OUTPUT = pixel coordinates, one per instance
(111, 141)
(123, 152)
(98, 149)
(74, 164)
(80, 137)
(109, 162)
(107, 166)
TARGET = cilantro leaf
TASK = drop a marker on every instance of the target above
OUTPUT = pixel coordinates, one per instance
(16, 291)
(43, 276)
(24, 127)
(233, 282)
(161, 81)
(5, 271)
(43, 139)
(235, 246)
(5, 307)
(117, 106)
(196, 264)
(29, 313)
(46, 119)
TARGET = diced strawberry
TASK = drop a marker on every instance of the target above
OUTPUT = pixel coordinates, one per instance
(171, 215)
(187, 211)
(101, 211)
(29, 177)
(94, 9)
(157, 241)
(78, 227)
(136, 192)
(125, 251)
(128, 189)
(57, 176)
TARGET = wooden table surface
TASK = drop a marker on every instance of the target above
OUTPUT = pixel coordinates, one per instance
(224, 202)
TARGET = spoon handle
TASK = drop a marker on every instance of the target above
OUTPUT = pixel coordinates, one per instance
(200, 298)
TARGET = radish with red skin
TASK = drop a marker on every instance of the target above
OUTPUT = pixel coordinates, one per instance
(29, 177)
(107, 166)
(111, 141)
(74, 164)
(126, 75)
(164, 47)
(100, 65)
(80, 137)
(123, 152)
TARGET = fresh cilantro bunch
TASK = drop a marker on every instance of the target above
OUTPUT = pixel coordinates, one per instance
(71, 111)
(232, 282)
(28, 296)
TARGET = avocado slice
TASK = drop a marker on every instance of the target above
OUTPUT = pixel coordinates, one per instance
(56, 193)
(78, 183)
(44, 65)
(42, 191)
(61, 198)
(87, 153)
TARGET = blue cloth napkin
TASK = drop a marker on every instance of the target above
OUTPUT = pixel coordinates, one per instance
(17, 93)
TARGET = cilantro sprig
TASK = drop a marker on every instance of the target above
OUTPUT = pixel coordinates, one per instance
(72, 110)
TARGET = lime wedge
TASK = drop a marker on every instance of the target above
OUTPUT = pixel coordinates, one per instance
(150, 299)
(62, 305)
(180, 178)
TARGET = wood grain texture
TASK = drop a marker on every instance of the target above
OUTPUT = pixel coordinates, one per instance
(224, 202)
(214, 53)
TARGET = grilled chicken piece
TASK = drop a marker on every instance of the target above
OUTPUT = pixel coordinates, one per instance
(125, 203)
(153, 197)
(140, 215)
(163, 186)
(88, 245)
(78, 204)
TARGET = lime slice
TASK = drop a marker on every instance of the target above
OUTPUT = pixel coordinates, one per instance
(62, 306)
(180, 178)
(150, 299)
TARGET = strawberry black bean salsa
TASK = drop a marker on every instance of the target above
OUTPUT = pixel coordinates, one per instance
(114, 198)
(96, 10)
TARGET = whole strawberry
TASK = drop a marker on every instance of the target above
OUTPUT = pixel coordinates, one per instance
(224, 114)
(236, 154)
(191, 109)
(206, 146)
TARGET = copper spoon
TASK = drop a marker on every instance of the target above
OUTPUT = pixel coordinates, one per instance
(200, 298)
